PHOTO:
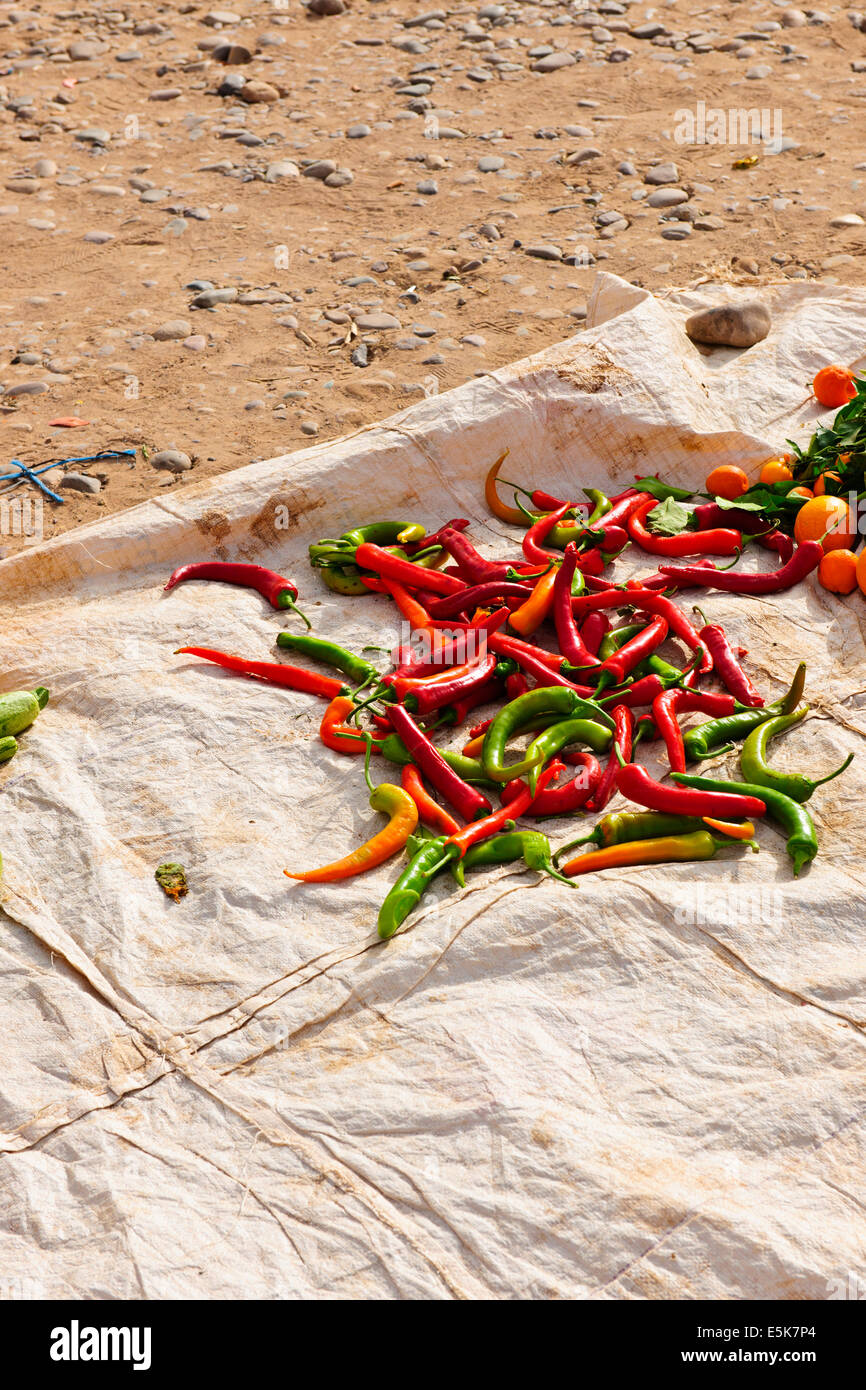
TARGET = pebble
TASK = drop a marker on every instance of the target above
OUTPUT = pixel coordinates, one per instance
(667, 197)
(173, 329)
(281, 169)
(319, 169)
(80, 482)
(232, 54)
(196, 342)
(256, 91)
(309, 427)
(171, 460)
(358, 132)
(730, 325)
(543, 251)
(372, 323)
(551, 62)
(326, 7)
(848, 219)
(661, 173)
(27, 388)
(427, 187)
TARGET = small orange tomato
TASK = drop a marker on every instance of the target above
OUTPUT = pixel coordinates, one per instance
(801, 492)
(727, 481)
(823, 478)
(834, 386)
(775, 471)
(838, 571)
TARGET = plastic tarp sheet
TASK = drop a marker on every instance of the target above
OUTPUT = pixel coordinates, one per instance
(649, 1087)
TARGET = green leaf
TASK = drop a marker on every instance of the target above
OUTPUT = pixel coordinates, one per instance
(662, 490)
(739, 504)
(669, 518)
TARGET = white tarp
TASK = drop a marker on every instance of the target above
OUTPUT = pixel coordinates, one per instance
(650, 1087)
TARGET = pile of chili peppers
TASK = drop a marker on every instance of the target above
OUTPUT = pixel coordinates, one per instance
(585, 692)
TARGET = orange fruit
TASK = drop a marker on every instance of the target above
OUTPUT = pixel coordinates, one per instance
(727, 481)
(861, 571)
(834, 386)
(775, 471)
(801, 492)
(830, 515)
(821, 486)
(838, 571)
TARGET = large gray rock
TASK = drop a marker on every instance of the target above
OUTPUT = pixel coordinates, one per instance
(730, 325)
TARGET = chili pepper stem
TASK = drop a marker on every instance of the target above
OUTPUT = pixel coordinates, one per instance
(572, 844)
(287, 602)
(367, 755)
(819, 781)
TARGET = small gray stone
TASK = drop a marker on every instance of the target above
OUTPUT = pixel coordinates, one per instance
(544, 252)
(583, 156)
(232, 54)
(667, 197)
(487, 164)
(93, 135)
(709, 224)
(358, 132)
(255, 92)
(172, 330)
(847, 219)
(374, 323)
(326, 7)
(281, 169)
(339, 179)
(172, 460)
(678, 232)
(80, 482)
(661, 173)
(427, 187)
(27, 388)
(360, 356)
(320, 169)
(309, 427)
(551, 62)
(731, 325)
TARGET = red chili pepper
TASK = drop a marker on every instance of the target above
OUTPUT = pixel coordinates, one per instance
(664, 581)
(535, 661)
(647, 601)
(624, 506)
(490, 825)
(389, 566)
(433, 692)
(591, 562)
(623, 734)
(279, 592)
(458, 523)
(671, 703)
(643, 692)
(516, 685)
(467, 801)
(429, 811)
(469, 639)
(532, 547)
(559, 801)
(592, 630)
(622, 662)
(781, 542)
(721, 541)
(726, 665)
(272, 672)
(478, 595)
(710, 515)
(473, 567)
(805, 558)
(483, 695)
(636, 783)
(570, 643)
(339, 736)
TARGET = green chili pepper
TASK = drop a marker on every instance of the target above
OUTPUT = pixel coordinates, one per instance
(602, 504)
(706, 740)
(560, 736)
(529, 845)
(802, 843)
(554, 699)
(19, 708)
(616, 638)
(753, 759)
(620, 827)
(413, 883)
(8, 749)
(355, 667)
(376, 533)
(344, 579)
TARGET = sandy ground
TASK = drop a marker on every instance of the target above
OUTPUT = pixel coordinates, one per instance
(484, 160)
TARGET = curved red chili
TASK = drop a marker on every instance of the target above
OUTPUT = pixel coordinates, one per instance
(532, 548)
(726, 665)
(623, 721)
(570, 643)
(720, 541)
(272, 672)
(671, 703)
(467, 801)
(560, 801)
(279, 591)
(636, 783)
(382, 562)
(592, 630)
(805, 558)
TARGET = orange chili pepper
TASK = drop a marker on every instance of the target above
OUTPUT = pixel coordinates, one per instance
(396, 803)
(737, 830)
(430, 812)
(335, 734)
(494, 501)
(531, 614)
